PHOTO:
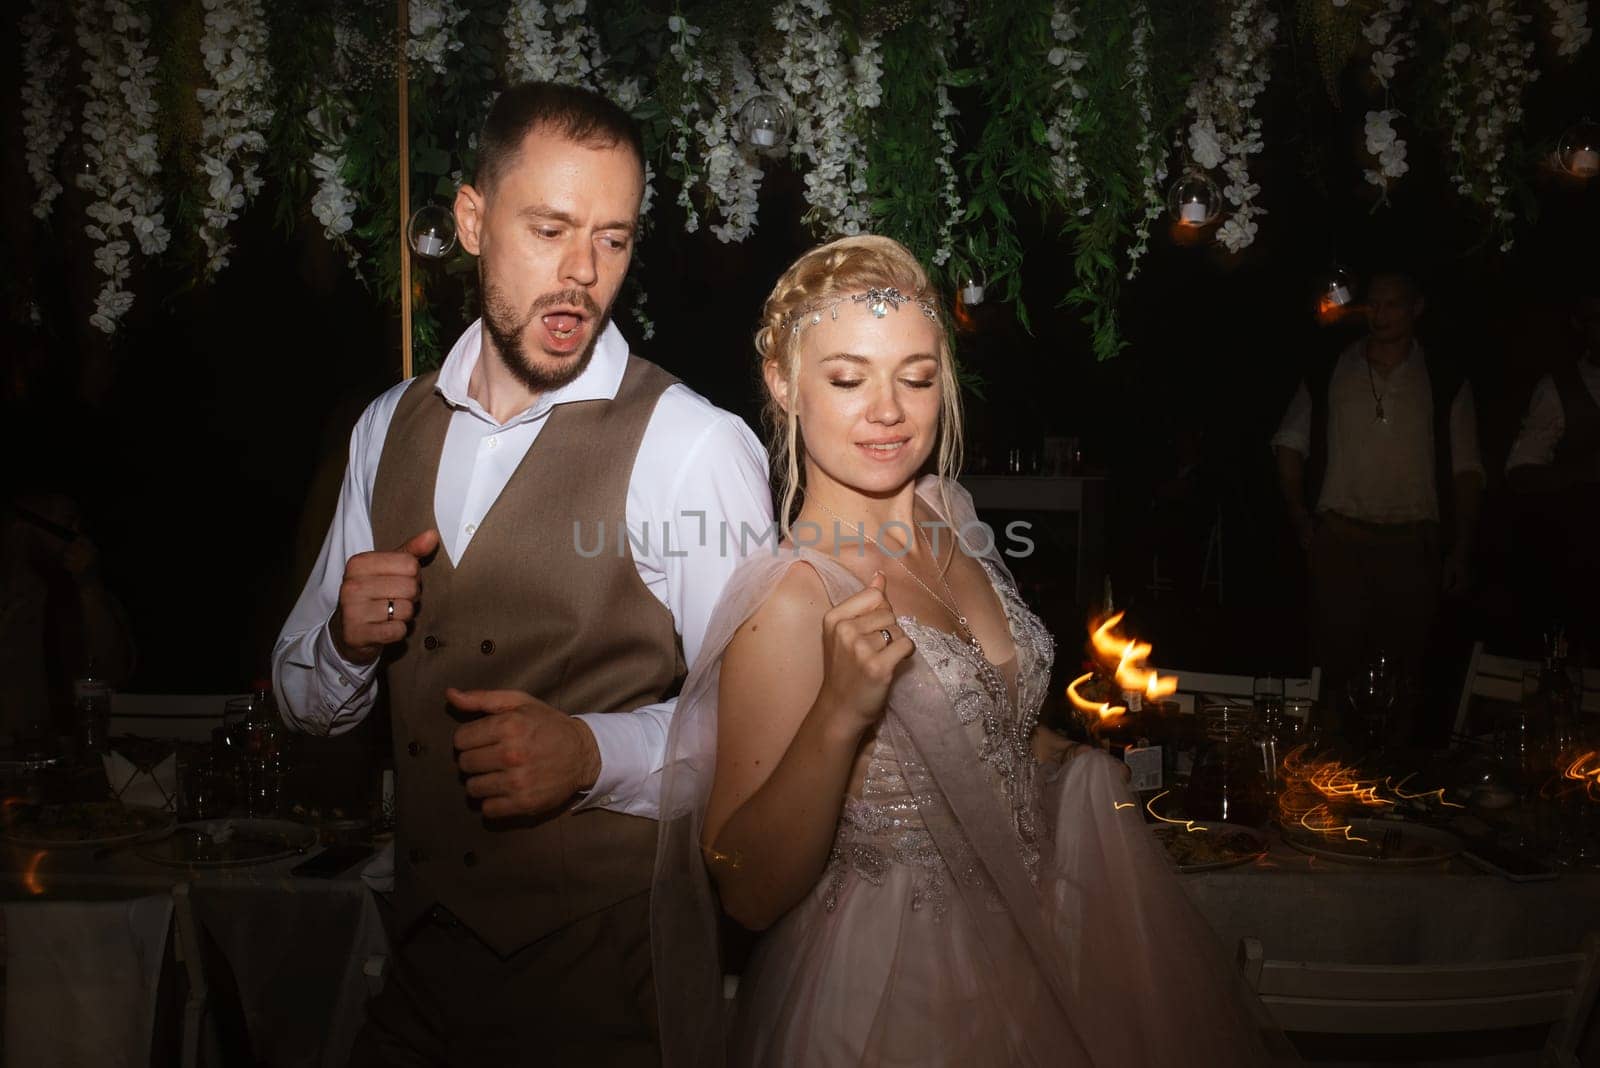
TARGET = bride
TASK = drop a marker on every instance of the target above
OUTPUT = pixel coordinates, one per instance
(856, 768)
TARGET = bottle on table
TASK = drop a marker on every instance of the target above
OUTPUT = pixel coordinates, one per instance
(91, 701)
(264, 757)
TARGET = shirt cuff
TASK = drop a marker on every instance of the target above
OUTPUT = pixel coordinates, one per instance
(340, 682)
(624, 768)
(1291, 441)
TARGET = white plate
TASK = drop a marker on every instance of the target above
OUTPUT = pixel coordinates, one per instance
(60, 826)
(1418, 844)
(1258, 839)
(230, 843)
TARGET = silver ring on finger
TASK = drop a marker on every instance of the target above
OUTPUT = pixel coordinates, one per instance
(888, 639)
(391, 610)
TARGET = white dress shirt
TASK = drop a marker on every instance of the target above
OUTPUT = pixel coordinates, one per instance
(1382, 472)
(1546, 424)
(697, 465)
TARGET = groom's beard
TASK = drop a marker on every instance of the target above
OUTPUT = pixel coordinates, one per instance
(506, 329)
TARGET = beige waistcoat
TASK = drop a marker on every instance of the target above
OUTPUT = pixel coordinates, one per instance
(523, 610)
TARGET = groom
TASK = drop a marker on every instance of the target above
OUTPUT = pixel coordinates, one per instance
(528, 682)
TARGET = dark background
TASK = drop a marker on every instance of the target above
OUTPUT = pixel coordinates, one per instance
(206, 445)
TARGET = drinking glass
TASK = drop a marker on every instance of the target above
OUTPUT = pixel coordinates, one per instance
(1372, 694)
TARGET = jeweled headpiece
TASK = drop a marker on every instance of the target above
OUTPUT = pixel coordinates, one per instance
(878, 302)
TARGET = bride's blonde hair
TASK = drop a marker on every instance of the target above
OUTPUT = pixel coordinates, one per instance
(841, 268)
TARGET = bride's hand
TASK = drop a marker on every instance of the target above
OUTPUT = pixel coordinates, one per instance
(858, 660)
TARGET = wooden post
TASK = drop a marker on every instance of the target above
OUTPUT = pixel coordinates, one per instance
(406, 370)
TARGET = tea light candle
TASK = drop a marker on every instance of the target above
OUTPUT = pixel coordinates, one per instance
(429, 244)
(1194, 213)
(764, 137)
(1584, 162)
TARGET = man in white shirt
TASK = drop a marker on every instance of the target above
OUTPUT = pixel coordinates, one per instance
(1393, 436)
(1554, 468)
(530, 678)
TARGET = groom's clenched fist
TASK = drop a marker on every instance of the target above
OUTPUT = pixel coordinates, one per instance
(378, 597)
(523, 757)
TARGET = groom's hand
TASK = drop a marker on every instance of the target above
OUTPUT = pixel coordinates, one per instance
(523, 757)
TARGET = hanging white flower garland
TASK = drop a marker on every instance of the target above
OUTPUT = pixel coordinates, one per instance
(333, 203)
(1152, 160)
(46, 119)
(432, 25)
(829, 99)
(1066, 119)
(119, 145)
(941, 49)
(1392, 41)
(704, 128)
(1226, 131)
(233, 130)
(731, 172)
(1570, 25)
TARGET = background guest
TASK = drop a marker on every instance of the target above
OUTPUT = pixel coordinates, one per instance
(1378, 464)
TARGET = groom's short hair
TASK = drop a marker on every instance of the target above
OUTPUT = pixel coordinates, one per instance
(581, 115)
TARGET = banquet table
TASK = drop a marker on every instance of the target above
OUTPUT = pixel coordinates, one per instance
(296, 949)
(1304, 907)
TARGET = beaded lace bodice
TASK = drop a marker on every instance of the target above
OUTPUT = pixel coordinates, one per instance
(999, 707)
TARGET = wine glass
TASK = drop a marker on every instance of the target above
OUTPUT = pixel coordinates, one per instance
(1372, 694)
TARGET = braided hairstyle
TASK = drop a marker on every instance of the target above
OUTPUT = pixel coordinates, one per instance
(839, 268)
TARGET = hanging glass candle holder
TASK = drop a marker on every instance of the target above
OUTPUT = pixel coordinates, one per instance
(972, 286)
(1579, 150)
(1194, 199)
(764, 121)
(1337, 290)
(432, 232)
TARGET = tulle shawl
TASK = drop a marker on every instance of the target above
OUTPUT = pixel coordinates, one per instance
(1052, 936)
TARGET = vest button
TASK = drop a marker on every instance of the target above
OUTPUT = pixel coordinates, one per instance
(486, 647)
(416, 748)
(415, 855)
(430, 643)
(470, 859)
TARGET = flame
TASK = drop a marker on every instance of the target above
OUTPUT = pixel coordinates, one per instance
(1585, 771)
(30, 874)
(965, 323)
(1129, 655)
(1188, 825)
(1330, 311)
(1311, 789)
(1105, 710)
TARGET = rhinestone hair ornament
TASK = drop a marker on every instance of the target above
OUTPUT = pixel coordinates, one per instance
(878, 302)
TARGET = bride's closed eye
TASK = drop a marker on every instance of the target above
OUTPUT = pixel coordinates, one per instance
(852, 383)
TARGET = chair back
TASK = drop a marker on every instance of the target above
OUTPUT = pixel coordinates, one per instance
(1499, 678)
(1200, 687)
(184, 717)
(1417, 999)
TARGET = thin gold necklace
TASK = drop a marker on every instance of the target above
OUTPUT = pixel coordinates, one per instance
(949, 605)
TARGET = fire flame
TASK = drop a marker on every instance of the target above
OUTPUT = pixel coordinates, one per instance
(1315, 790)
(1188, 825)
(1103, 709)
(1585, 771)
(1129, 655)
(30, 874)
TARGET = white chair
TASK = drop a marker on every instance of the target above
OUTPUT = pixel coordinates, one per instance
(185, 717)
(1427, 999)
(1206, 687)
(1499, 678)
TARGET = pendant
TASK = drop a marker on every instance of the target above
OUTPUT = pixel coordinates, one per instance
(1381, 417)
